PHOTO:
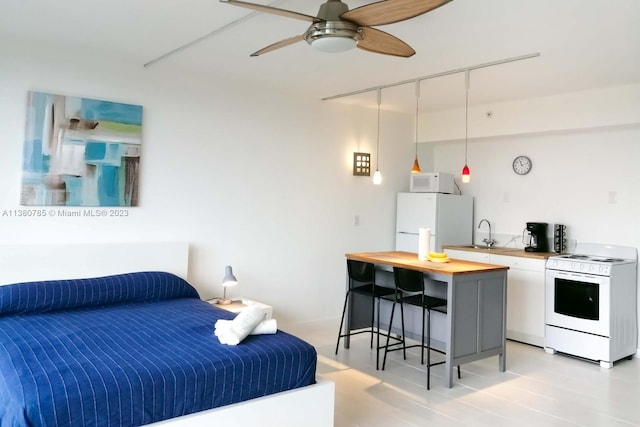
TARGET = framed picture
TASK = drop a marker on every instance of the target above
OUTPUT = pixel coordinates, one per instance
(80, 152)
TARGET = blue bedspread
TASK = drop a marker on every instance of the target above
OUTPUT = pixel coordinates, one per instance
(130, 361)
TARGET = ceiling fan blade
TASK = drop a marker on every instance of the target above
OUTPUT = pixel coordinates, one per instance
(390, 11)
(273, 10)
(377, 41)
(278, 45)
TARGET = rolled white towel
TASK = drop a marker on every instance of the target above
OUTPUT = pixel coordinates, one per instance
(267, 326)
(242, 325)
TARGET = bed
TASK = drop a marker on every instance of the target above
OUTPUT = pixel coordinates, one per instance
(138, 348)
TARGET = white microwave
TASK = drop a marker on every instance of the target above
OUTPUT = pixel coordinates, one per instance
(435, 182)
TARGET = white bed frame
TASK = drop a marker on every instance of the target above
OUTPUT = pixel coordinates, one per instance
(311, 406)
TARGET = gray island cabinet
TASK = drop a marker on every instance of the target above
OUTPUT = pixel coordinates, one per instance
(476, 305)
(525, 287)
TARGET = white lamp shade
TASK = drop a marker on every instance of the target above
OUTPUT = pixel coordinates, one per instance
(334, 44)
(229, 278)
(377, 178)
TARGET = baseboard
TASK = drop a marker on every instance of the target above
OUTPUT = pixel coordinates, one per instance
(525, 338)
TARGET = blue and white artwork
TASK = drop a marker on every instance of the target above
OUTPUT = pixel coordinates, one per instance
(80, 152)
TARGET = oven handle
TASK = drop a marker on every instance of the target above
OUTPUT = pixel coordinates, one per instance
(556, 273)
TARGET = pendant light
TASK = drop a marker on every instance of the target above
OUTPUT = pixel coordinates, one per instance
(377, 176)
(466, 173)
(416, 165)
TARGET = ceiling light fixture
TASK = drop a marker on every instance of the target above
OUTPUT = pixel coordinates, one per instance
(466, 173)
(433, 76)
(377, 176)
(361, 164)
(416, 165)
(333, 37)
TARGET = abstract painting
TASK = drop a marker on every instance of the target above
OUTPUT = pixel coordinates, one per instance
(80, 152)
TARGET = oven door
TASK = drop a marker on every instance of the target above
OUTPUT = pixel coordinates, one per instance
(577, 301)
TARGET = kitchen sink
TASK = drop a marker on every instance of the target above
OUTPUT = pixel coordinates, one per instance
(485, 248)
(473, 247)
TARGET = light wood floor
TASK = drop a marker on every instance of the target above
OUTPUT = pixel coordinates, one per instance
(538, 389)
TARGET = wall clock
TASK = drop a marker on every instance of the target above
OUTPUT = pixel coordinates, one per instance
(522, 165)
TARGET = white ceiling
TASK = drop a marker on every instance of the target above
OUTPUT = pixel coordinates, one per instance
(583, 44)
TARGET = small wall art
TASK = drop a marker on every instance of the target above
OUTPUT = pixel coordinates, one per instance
(80, 152)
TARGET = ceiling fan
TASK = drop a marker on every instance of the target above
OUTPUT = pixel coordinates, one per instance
(337, 29)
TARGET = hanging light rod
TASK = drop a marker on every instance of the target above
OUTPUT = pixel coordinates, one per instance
(206, 36)
(433, 76)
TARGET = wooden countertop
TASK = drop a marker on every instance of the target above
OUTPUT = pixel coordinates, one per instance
(505, 251)
(410, 260)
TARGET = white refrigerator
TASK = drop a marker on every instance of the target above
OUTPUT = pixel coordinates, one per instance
(449, 216)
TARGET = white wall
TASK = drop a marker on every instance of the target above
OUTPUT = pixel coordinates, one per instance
(589, 109)
(573, 177)
(249, 177)
(584, 151)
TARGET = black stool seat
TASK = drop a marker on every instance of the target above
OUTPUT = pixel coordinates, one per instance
(374, 291)
(428, 301)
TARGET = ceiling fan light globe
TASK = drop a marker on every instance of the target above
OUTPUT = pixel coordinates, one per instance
(332, 36)
(334, 44)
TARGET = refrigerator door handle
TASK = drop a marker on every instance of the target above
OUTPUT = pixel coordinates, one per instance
(414, 234)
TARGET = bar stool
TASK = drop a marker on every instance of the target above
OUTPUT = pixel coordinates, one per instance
(362, 278)
(410, 289)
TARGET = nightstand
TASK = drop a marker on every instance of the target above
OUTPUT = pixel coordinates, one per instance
(237, 306)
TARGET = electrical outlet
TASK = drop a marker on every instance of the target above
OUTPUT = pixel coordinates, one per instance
(613, 197)
(356, 220)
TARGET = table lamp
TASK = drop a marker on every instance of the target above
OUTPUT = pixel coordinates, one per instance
(228, 280)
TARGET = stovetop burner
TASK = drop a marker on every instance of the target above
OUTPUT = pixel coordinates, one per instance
(581, 257)
(594, 258)
(576, 256)
(608, 259)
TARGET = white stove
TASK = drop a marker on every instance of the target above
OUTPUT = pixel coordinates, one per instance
(591, 309)
(600, 265)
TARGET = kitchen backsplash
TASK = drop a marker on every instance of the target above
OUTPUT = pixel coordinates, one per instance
(515, 241)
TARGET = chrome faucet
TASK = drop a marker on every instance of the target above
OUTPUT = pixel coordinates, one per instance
(489, 242)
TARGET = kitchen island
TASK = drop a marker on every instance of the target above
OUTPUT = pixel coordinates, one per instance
(525, 287)
(476, 305)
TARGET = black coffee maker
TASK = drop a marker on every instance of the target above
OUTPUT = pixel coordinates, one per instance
(537, 232)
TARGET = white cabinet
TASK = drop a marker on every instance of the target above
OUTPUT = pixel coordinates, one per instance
(525, 298)
(525, 293)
